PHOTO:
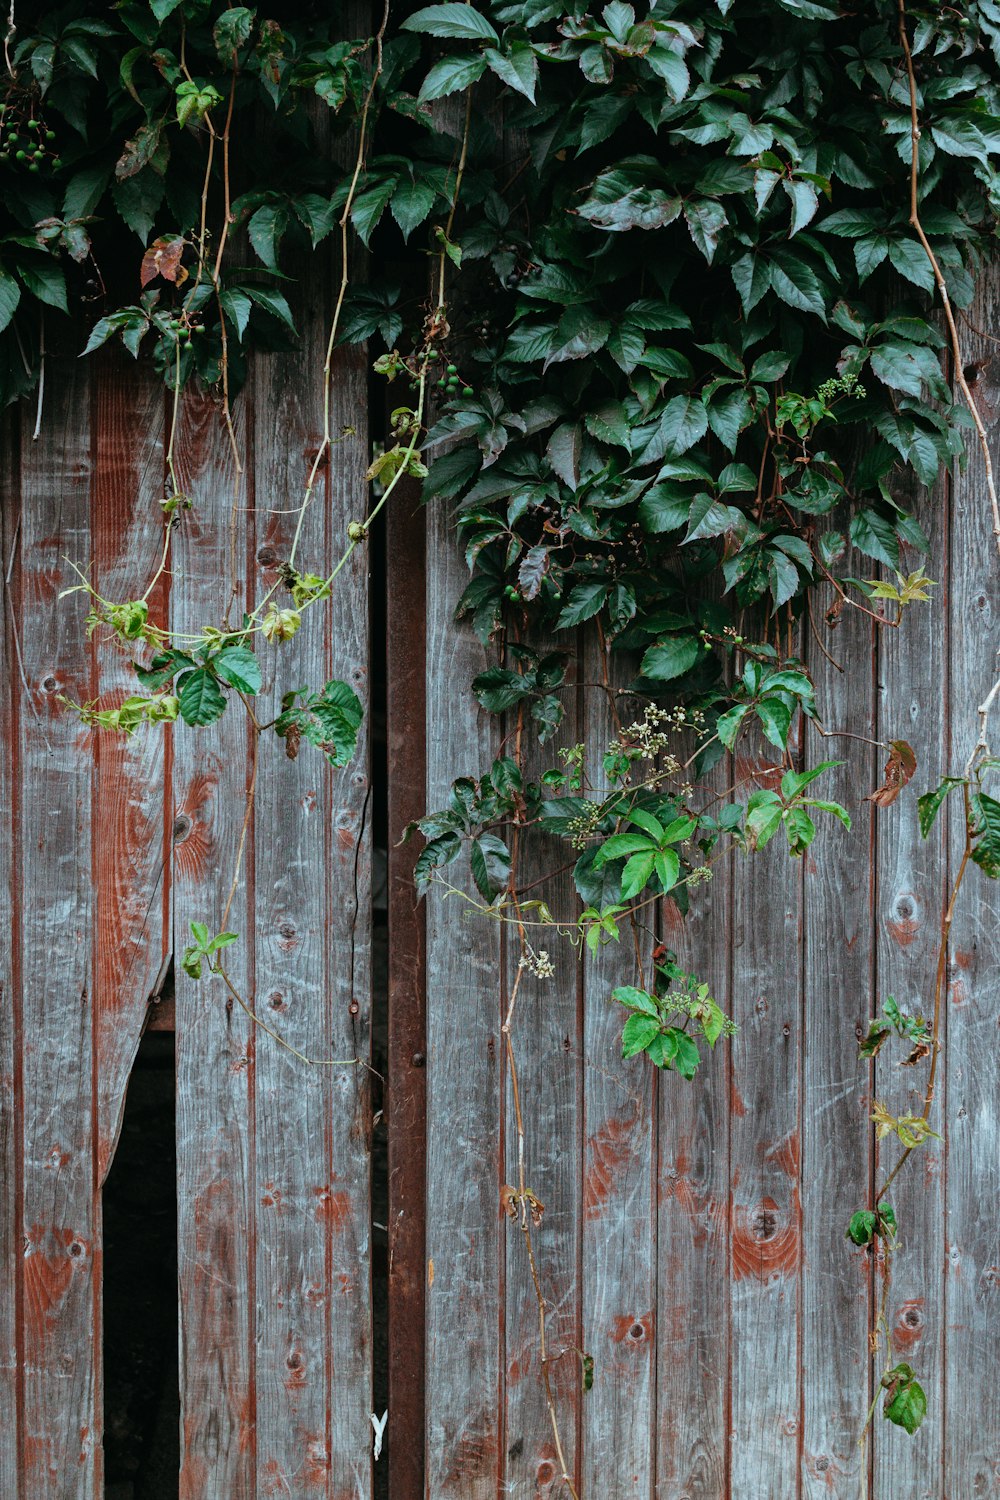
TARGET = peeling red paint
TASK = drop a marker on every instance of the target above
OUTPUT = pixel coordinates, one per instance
(765, 1242)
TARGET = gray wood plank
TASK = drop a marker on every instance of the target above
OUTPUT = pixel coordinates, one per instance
(216, 1048)
(910, 894)
(312, 879)
(838, 979)
(765, 1233)
(693, 1334)
(546, 1041)
(10, 997)
(61, 1454)
(969, 1101)
(620, 1320)
(464, 1249)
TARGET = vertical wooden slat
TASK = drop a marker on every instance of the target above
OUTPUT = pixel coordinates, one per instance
(913, 705)
(60, 1453)
(693, 1226)
(545, 1039)
(312, 888)
(463, 1085)
(838, 975)
(132, 801)
(765, 1237)
(620, 1320)
(216, 1190)
(10, 998)
(406, 1093)
(968, 1105)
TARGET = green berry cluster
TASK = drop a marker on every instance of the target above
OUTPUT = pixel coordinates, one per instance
(449, 381)
(25, 141)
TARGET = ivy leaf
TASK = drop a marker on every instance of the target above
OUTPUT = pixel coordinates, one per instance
(671, 657)
(683, 423)
(585, 601)
(796, 283)
(201, 699)
(929, 805)
(861, 1229)
(986, 849)
(638, 1032)
(489, 859)
(232, 31)
(44, 279)
(10, 296)
(411, 204)
(453, 21)
(238, 666)
(875, 536)
(450, 75)
(517, 67)
(578, 335)
(905, 1402)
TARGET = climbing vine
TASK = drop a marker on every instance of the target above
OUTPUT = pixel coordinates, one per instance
(694, 323)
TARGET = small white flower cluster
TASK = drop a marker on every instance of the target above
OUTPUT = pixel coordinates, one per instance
(581, 828)
(652, 734)
(539, 964)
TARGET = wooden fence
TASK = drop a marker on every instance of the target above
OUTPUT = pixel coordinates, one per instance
(693, 1238)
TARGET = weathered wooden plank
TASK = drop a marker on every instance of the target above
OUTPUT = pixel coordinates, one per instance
(406, 1091)
(618, 1206)
(312, 972)
(464, 1250)
(910, 894)
(546, 1043)
(692, 1380)
(10, 958)
(132, 801)
(969, 1103)
(765, 1230)
(838, 975)
(216, 1190)
(60, 1270)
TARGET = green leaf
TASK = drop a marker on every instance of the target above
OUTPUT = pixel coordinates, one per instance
(10, 296)
(684, 421)
(929, 805)
(238, 666)
(875, 535)
(45, 280)
(411, 204)
(796, 283)
(861, 1229)
(585, 601)
(776, 720)
(638, 1032)
(633, 999)
(450, 75)
(667, 865)
(621, 844)
(986, 849)
(636, 874)
(671, 657)
(489, 859)
(201, 699)
(498, 689)
(454, 21)
(905, 1401)
(517, 67)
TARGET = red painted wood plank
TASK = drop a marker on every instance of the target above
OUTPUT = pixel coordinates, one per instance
(60, 1270)
(216, 1050)
(132, 789)
(406, 1093)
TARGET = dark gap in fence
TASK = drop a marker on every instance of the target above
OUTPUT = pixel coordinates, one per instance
(141, 1407)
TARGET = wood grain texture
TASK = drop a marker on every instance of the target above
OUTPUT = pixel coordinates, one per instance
(766, 1230)
(11, 1095)
(838, 976)
(619, 1269)
(545, 1037)
(60, 1453)
(216, 1047)
(464, 1249)
(312, 863)
(693, 1342)
(970, 1101)
(910, 896)
(132, 800)
(406, 1092)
